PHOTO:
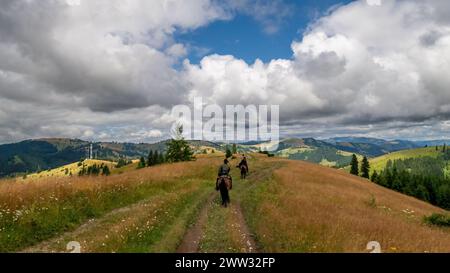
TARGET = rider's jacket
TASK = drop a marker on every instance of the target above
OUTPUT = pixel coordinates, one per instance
(224, 170)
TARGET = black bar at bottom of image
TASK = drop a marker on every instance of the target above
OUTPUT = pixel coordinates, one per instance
(225, 262)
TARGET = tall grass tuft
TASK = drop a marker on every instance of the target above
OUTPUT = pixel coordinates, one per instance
(438, 219)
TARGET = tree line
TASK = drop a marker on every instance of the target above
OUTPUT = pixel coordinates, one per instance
(423, 177)
(154, 158)
(94, 170)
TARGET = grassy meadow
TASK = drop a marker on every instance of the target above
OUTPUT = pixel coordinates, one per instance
(283, 206)
(34, 211)
(304, 207)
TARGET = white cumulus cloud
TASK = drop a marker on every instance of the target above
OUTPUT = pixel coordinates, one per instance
(109, 69)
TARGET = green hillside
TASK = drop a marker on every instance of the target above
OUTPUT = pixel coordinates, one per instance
(314, 151)
(379, 163)
(372, 147)
(422, 173)
(325, 156)
(72, 169)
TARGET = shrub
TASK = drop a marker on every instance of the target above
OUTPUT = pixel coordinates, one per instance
(438, 220)
(372, 202)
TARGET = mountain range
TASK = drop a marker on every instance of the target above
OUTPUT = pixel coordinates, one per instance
(42, 154)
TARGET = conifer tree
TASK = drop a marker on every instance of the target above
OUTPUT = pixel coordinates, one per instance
(228, 152)
(354, 165)
(150, 161)
(374, 177)
(141, 163)
(365, 168)
(178, 148)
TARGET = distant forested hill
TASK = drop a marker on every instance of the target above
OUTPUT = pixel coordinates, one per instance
(42, 154)
(371, 147)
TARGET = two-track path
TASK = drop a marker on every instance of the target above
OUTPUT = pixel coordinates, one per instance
(214, 229)
(219, 229)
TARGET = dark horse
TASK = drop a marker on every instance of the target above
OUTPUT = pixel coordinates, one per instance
(224, 184)
(244, 171)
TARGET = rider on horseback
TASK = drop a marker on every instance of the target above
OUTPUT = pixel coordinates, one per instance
(224, 182)
(224, 169)
(243, 162)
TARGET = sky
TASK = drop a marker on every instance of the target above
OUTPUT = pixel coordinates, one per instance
(250, 36)
(111, 70)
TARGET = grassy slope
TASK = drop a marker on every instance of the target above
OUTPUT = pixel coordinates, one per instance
(304, 207)
(379, 163)
(73, 169)
(126, 208)
(289, 206)
(331, 157)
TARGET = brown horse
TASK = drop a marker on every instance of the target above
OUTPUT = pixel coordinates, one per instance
(244, 171)
(224, 184)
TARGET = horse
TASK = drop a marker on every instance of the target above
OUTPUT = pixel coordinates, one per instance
(244, 171)
(224, 184)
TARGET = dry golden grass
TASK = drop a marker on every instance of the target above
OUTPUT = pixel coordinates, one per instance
(310, 208)
(67, 170)
(33, 211)
(290, 206)
(16, 194)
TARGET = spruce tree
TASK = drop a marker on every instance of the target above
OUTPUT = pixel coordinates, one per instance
(141, 163)
(161, 158)
(354, 165)
(121, 163)
(178, 148)
(228, 152)
(106, 171)
(365, 168)
(374, 177)
(156, 158)
(150, 161)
